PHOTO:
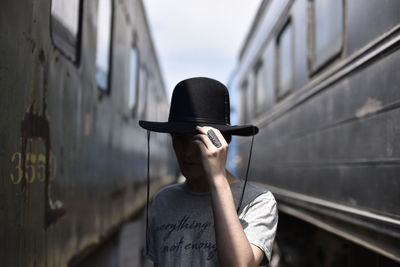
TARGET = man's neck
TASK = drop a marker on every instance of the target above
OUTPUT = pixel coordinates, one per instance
(201, 185)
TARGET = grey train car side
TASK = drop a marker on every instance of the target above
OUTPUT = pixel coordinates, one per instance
(75, 77)
(321, 79)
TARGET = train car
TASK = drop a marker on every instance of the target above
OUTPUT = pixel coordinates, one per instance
(75, 78)
(321, 80)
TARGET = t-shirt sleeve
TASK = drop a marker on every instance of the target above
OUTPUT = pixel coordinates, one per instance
(259, 220)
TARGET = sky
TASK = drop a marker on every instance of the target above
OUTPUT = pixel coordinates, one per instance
(199, 37)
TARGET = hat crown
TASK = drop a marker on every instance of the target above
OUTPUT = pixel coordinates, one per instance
(202, 100)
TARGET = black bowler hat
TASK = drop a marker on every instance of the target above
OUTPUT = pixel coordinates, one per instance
(199, 102)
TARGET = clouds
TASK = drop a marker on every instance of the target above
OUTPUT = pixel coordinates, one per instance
(199, 38)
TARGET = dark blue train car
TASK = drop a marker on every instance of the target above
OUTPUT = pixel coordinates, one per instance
(321, 79)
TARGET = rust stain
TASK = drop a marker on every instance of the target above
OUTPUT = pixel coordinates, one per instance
(31, 43)
(36, 127)
(370, 107)
(42, 57)
(33, 126)
(138, 185)
(82, 254)
(53, 213)
(118, 193)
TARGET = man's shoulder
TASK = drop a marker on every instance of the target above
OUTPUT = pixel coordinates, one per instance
(255, 191)
(169, 190)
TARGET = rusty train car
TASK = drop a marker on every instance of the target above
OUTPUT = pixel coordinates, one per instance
(321, 80)
(75, 77)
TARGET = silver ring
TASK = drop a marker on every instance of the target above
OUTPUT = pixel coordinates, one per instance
(213, 137)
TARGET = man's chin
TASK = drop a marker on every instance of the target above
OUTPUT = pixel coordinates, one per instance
(193, 173)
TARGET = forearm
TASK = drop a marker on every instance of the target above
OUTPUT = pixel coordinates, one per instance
(233, 247)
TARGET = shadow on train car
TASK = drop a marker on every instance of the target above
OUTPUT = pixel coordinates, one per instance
(75, 76)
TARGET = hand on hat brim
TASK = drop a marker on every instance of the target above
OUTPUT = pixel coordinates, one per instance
(205, 129)
(213, 158)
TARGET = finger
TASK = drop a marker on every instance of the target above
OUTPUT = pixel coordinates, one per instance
(217, 132)
(211, 135)
(202, 130)
(205, 140)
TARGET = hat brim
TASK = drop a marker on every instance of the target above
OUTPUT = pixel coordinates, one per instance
(190, 128)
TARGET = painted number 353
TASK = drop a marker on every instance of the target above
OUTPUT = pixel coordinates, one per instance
(35, 167)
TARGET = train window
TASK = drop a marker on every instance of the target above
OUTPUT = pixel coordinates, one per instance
(250, 97)
(326, 31)
(133, 77)
(164, 112)
(160, 110)
(142, 96)
(65, 27)
(103, 52)
(157, 109)
(259, 88)
(285, 60)
(151, 102)
(243, 104)
(268, 75)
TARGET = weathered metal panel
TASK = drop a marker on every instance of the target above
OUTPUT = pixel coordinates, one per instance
(367, 20)
(332, 146)
(72, 158)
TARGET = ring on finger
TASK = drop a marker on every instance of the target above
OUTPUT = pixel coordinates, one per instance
(214, 139)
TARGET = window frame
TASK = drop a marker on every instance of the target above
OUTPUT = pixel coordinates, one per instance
(250, 96)
(244, 116)
(269, 74)
(73, 54)
(259, 85)
(143, 86)
(133, 107)
(278, 86)
(314, 64)
(106, 90)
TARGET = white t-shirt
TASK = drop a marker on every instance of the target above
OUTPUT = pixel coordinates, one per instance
(181, 231)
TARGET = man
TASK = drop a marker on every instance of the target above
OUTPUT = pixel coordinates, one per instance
(209, 220)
